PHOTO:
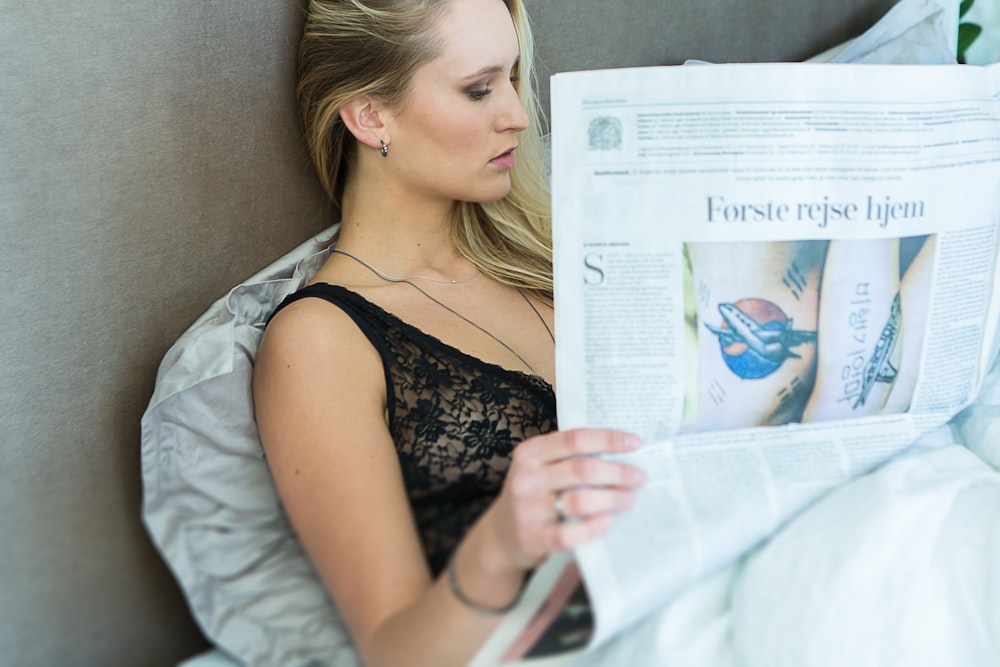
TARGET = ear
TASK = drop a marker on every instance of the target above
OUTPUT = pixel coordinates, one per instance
(362, 117)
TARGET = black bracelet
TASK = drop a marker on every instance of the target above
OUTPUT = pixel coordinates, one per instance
(461, 597)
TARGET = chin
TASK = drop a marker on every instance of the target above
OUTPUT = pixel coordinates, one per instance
(482, 193)
(495, 193)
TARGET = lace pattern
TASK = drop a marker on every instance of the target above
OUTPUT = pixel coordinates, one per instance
(454, 419)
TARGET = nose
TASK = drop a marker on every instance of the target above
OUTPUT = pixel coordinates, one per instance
(513, 118)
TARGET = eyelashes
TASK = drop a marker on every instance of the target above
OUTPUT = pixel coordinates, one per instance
(480, 94)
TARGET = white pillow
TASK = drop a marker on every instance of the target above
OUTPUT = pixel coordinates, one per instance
(915, 32)
(209, 502)
(901, 567)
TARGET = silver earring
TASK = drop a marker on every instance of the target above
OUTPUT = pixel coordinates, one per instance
(384, 150)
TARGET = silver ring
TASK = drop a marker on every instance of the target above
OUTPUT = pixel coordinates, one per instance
(557, 505)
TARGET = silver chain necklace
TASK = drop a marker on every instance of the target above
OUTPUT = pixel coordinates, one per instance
(451, 310)
(393, 279)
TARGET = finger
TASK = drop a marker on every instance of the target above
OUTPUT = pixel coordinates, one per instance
(592, 471)
(578, 442)
(581, 503)
(571, 534)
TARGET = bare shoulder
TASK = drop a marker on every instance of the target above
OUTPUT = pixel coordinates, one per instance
(314, 367)
(310, 339)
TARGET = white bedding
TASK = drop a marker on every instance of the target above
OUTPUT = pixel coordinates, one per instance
(900, 567)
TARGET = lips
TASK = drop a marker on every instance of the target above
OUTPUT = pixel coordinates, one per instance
(505, 160)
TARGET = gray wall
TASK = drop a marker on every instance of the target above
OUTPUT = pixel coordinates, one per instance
(595, 34)
(149, 159)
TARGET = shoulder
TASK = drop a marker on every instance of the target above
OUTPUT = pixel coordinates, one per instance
(308, 344)
(312, 317)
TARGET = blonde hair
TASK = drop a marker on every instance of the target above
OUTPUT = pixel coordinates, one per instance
(372, 47)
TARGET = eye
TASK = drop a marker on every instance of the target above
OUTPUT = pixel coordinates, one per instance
(478, 94)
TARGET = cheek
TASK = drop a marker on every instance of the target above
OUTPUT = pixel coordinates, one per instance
(456, 134)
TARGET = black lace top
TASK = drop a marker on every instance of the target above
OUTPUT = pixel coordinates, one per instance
(453, 418)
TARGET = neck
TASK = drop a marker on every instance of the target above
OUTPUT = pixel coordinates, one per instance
(404, 279)
(399, 233)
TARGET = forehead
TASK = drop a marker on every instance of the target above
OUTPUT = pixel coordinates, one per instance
(476, 34)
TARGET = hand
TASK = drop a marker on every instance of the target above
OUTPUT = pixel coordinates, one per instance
(559, 495)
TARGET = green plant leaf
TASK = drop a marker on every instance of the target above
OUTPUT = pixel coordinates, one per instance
(965, 7)
(967, 34)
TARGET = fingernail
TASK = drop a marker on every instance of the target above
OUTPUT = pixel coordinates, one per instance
(632, 441)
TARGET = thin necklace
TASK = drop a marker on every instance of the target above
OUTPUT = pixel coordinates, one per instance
(452, 310)
(393, 279)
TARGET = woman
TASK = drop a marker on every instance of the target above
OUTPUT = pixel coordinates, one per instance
(390, 392)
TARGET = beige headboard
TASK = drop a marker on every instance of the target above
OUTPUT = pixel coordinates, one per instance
(149, 160)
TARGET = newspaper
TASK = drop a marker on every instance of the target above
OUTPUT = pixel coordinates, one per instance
(778, 276)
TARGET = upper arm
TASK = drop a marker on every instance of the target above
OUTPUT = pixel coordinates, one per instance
(320, 396)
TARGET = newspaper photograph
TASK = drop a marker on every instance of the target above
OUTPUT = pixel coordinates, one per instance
(778, 276)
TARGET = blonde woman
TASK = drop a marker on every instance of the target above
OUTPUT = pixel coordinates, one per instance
(405, 397)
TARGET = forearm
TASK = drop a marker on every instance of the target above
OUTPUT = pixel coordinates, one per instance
(437, 629)
(433, 625)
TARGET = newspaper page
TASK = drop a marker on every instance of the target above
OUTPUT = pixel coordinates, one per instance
(778, 276)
